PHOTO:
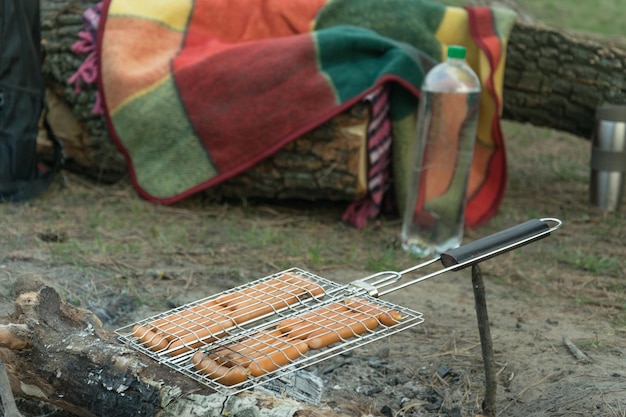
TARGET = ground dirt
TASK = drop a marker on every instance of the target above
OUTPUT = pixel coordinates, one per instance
(104, 248)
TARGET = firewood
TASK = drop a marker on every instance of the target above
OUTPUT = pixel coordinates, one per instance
(60, 354)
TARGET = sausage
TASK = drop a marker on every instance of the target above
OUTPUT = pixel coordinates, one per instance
(233, 354)
(197, 325)
(222, 374)
(192, 320)
(302, 326)
(295, 284)
(330, 311)
(190, 313)
(149, 338)
(201, 337)
(229, 357)
(253, 347)
(261, 353)
(283, 352)
(258, 303)
(261, 300)
(284, 287)
(327, 325)
(310, 287)
(385, 315)
(348, 326)
(269, 296)
(139, 331)
(253, 310)
(275, 289)
(203, 308)
(188, 329)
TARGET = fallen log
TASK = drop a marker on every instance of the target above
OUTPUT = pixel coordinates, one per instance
(552, 78)
(61, 355)
(557, 80)
(327, 163)
(88, 146)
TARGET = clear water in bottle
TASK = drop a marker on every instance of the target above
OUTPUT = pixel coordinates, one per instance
(442, 155)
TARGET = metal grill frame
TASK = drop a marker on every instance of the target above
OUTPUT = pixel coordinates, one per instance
(333, 292)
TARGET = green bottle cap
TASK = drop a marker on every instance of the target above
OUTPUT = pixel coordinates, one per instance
(455, 51)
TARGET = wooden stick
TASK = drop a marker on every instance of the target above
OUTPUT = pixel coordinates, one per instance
(8, 401)
(489, 403)
(14, 336)
(578, 354)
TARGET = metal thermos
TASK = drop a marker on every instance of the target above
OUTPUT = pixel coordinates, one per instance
(608, 157)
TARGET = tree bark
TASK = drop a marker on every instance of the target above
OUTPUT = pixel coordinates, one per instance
(552, 79)
(59, 354)
(88, 145)
(557, 80)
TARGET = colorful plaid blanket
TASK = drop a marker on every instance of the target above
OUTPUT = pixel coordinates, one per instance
(198, 91)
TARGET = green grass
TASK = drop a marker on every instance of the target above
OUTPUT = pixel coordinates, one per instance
(591, 262)
(598, 17)
(383, 261)
(316, 254)
(264, 235)
(67, 253)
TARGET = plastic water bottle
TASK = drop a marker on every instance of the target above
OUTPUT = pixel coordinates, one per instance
(442, 157)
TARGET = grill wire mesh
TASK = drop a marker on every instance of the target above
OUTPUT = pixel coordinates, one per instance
(265, 329)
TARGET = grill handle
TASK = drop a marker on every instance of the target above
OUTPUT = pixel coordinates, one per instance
(461, 257)
(497, 243)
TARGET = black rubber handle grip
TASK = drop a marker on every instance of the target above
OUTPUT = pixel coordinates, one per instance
(492, 243)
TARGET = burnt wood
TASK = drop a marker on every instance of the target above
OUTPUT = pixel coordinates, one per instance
(59, 354)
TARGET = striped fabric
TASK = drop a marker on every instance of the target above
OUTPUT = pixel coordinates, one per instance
(379, 143)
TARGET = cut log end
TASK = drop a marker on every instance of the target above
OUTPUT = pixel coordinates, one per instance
(14, 336)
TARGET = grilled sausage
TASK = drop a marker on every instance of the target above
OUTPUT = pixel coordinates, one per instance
(348, 326)
(149, 338)
(201, 337)
(310, 287)
(222, 374)
(197, 325)
(257, 303)
(284, 287)
(385, 315)
(244, 351)
(283, 353)
(318, 319)
(191, 320)
(302, 329)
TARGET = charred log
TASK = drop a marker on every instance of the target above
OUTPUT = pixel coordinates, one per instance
(61, 355)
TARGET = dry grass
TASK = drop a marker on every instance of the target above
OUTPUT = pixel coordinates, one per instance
(104, 248)
(158, 254)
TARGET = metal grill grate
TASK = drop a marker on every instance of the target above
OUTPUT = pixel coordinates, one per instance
(265, 329)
